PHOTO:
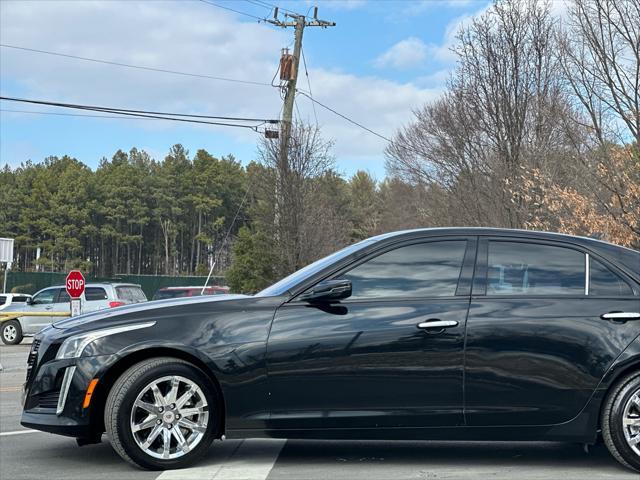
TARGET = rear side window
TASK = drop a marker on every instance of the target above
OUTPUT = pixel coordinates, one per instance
(604, 282)
(517, 268)
(164, 294)
(95, 293)
(131, 294)
(422, 270)
(3, 300)
(63, 296)
(19, 299)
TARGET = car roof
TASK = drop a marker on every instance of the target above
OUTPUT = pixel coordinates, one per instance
(488, 231)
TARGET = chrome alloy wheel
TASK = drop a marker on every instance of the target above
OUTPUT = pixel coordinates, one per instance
(631, 422)
(169, 417)
(9, 333)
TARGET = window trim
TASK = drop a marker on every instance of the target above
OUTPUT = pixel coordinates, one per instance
(485, 274)
(635, 291)
(587, 274)
(467, 270)
(481, 278)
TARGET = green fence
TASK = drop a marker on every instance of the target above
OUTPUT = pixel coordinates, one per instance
(31, 282)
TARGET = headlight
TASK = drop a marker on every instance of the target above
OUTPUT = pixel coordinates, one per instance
(73, 346)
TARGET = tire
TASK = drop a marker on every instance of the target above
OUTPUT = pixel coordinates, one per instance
(135, 385)
(11, 332)
(623, 402)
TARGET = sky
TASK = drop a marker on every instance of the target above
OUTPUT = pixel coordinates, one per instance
(382, 60)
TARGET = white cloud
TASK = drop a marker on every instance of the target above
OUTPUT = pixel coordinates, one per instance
(407, 53)
(189, 37)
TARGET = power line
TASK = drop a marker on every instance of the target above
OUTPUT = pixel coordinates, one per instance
(128, 110)
(272, 6)
(304, 62)
(129, 65)
(260, 4)
(35, 112)
(176, 117)
(260, 19)
(344, 117)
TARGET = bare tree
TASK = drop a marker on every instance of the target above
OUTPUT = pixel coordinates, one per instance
(600, 59)
(294, 214)
(504, 109)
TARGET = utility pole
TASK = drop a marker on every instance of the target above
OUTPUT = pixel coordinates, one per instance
(289, 67)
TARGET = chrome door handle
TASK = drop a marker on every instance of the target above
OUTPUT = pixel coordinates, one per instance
(48, 308)
(435, 323)
(621, 316)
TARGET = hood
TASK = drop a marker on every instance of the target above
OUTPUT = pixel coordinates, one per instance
(114, 313)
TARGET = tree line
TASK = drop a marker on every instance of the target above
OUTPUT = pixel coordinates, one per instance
(539, 127)
(133, 214)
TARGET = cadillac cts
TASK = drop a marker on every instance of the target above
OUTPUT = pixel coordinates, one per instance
(428, 334)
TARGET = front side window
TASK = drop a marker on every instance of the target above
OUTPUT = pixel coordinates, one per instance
(518, 268)
(604, 282)
(421, 270)
(45, 297)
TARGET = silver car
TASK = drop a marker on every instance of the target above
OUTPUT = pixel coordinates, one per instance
(97, 296)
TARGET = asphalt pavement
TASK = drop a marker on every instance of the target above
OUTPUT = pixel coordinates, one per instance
(26, 454)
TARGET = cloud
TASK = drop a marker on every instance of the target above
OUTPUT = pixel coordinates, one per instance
(406, 53)
(189, 37)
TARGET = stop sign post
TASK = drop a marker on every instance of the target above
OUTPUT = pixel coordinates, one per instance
(75, 288)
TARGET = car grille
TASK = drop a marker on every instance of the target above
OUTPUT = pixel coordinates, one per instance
(31, 359)
(49, 399)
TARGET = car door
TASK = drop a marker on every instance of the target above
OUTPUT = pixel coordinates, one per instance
(537, 341)
(364, 361)
(42, 302)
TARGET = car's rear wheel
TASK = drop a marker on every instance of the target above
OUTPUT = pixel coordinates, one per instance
(621, 421)
(162, 413)
(11, 332)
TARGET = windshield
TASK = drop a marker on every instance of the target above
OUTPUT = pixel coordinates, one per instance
(286, 283)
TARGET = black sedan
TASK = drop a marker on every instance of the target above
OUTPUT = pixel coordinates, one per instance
(450, 333)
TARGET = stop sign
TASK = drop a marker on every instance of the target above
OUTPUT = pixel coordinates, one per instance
(75, 284)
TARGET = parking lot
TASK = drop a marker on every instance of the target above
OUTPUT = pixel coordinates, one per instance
(26, 454)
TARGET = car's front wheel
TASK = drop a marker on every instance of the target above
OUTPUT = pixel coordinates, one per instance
(621, 421)
(161, 414)
(11, 332)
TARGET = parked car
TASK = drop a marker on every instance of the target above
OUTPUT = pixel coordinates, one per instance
(176, 292)
(97, 296)
(454, 333)
(7, 299)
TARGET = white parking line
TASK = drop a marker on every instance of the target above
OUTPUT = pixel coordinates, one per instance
(18, 432)
(252, 460)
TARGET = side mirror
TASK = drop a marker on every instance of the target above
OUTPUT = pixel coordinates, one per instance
(29, 301)
(327, 291)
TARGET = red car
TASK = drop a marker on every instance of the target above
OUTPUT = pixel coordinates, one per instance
(176, 292)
